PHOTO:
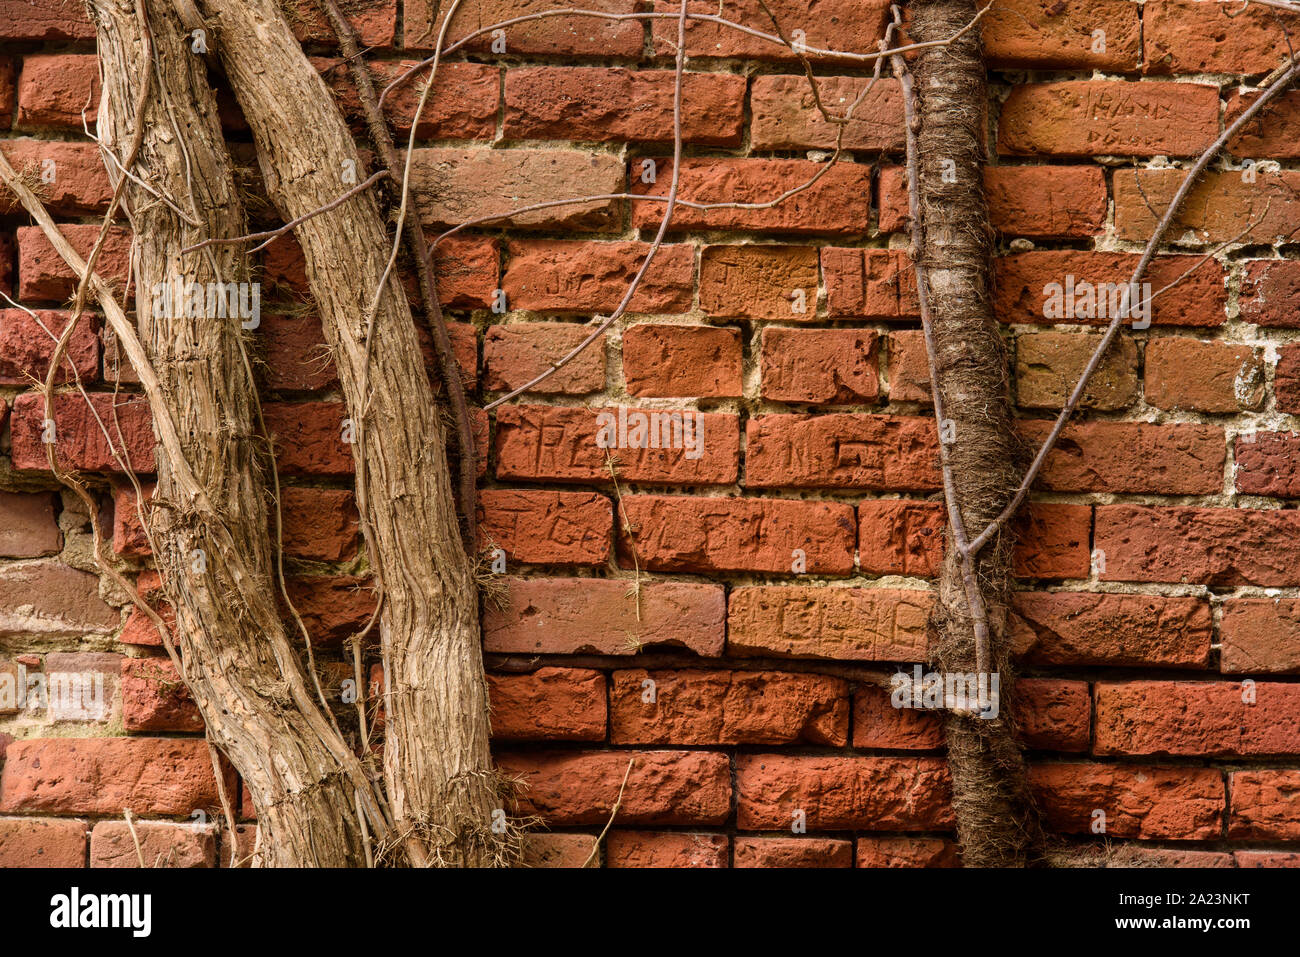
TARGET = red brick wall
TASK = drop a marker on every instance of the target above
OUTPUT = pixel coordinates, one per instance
(1158, 619)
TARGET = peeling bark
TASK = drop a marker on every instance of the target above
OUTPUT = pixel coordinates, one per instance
(437, 766)
(210, 515)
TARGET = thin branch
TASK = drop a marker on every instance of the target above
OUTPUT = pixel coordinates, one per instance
(618, 802)
(135, 838)
(1113, 328)
(272, 234)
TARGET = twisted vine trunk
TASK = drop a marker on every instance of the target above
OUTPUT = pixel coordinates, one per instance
(437, 766)
(997, 823)
(210, 516)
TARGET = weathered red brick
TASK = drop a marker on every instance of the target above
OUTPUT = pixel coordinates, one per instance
(1109, 117)
(869, 284)
(599, 616)
(375, 22)
(677, 533)
(1228, 377)
(665, 360)
(1265, 136)
(793, 852)
(1037, 201)
(665, 849)
(54, 89)
(1049, 34)
(1218, 207)
(575, 276)
(333, 607)
(139, 628)
(8, 94)
(894, 207)
(516, 354)
(839, 202)
(72, 178)
(1021, 291)
(1269, 289)
(853, 26)
(45, 20)
(1047, 202)
(465, 273)
(79, 441)
(452, 186)
(104, 775)
(613, 103)
(878, 724)
(550, 704)
(161, 844)
(898, 537)
(785, 114)
(728, 707)
(558, 850)
(42, 842)
(1286, 379)
(84, 687)
(27, 525)
(308, 437)
(1259, 634)
(842, 450)
(155, 699)
(819, 366)
(1197, 718)
(1050, 364)
(556, 444)
(1265, 859)
(567, 34)
(7, 264)
(1053, 715)
(295, 356)
(890, 794)
(663, 787)
(907, 852)
(462, 104)
(1090, 628)
(1184, 804)
(1190, 36)
(547, 527)
(1212, 546)
(1265, 464)
(759, 282)
(855, 624)
(42, 273)
(909, 367)
(1264, 805)
(1173, 459)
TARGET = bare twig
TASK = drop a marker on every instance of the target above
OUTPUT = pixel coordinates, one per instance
(271, 234)
(135, 838)
(1113, 328)
(618, 803)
